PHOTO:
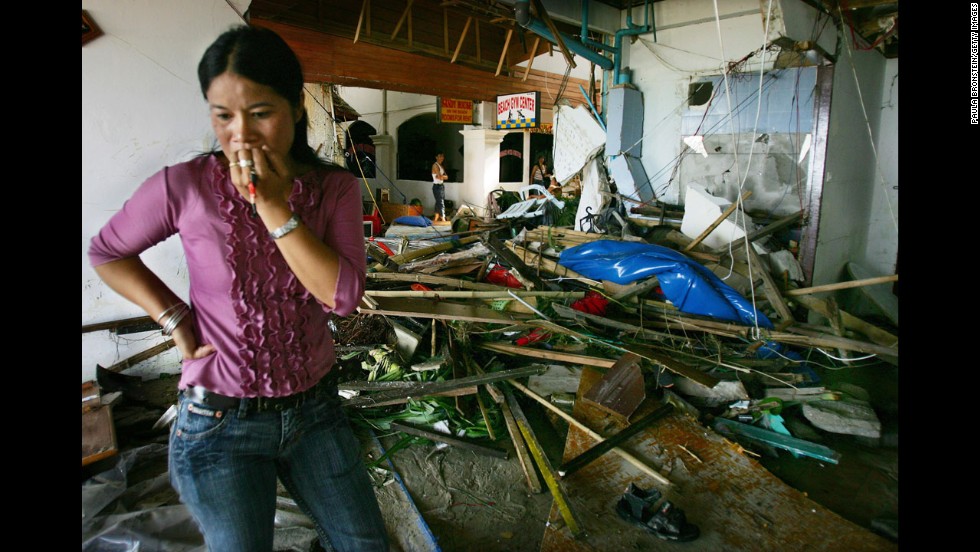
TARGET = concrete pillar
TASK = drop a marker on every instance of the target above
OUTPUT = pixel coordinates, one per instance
(384, 154)
(481, 167)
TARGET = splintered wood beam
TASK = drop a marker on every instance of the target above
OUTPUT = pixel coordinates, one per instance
(548, 355)
(547, 265)
(434, 280)
(762, 232)
(543, 13)
(462, 37)
(636, 462)
(520, 447)
(360, 20)
(851, 322)
(544, 466)
(719, 220)
(769, 286)
(426, 389)
(401, 20)
(115, 324)
(461, 442)
(140, 357)
(530, 60)
(503, 53)
(844, 285)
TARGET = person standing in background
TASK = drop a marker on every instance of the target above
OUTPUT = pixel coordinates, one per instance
(439, 176)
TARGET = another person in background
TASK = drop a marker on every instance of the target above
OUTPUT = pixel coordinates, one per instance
(542, 177)
(439, 176)
(272, 238)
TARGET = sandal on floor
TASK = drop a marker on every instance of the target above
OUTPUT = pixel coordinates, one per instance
(667, 521)
(670, 523)
(636, 505)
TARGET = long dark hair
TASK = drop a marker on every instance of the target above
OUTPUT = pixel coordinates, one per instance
(262, 56)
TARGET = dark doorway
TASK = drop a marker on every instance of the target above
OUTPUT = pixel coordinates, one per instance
(359, 152)
(417, 147)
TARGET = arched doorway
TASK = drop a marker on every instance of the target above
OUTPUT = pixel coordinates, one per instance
(419, 139)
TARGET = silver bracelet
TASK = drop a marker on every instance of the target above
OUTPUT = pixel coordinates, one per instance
(170, 308)
(171, 324)
(290, 225)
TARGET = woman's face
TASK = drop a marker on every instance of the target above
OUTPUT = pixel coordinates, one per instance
(541, 160)
(245, 112)
(440, 158)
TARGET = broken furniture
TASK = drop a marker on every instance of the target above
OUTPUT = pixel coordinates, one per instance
(531, 206)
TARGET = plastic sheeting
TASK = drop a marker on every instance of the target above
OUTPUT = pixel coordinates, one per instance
(690, 286)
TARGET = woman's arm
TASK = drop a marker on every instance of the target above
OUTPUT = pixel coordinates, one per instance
(133, 280)
(327, 271)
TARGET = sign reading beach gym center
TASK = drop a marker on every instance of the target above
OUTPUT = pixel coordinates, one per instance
(519, 110)
(455, 111)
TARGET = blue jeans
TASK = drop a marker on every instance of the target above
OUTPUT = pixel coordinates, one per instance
(439, 193)
(224, 465)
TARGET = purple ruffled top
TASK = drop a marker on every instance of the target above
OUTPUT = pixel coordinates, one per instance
(270, 333)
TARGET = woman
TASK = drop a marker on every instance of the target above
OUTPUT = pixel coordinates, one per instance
(272, 238)
(439, 176)
(539, 174)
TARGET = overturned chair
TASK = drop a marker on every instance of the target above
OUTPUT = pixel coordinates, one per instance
(531, 207)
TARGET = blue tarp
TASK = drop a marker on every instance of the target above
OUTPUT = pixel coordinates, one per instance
(690, 286)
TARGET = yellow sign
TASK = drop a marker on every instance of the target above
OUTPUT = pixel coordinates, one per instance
(455, 111)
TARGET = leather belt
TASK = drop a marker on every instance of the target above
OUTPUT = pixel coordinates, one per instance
(218, 401)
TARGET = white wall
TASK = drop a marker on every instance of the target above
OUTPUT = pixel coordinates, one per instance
(882, 247)
(142, 108)
(687, 48)
(849, 177)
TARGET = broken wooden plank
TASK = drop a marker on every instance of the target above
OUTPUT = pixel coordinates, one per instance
(520, 447)
(622, 293)
(621, 389)
(851, 322)
(433, 280)
(403, 258)
(441, 310)
(844, 285)
(549, 355)
(543, 14)
(504, 294)
(140, 357)
(672, 364)
(461, 442)
(425, 389)
(461, 392)
(761, 233)
(117, 324)
(548, 265)
(568, 312)
(604, 446)
(769, 286)
(516, 263)
(544, 466)
(633, 460)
